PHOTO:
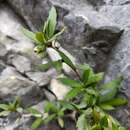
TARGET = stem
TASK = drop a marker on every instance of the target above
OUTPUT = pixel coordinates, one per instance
(76, 72)
(78, 75)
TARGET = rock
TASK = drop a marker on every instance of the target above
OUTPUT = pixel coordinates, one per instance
(21, 63)
(58, 89)
(8, 17)
(41, 78)
(117, 2)
(120, 64)
(96, 2)
(54, 56)
(11, 35)
(13, 84)
(92, 31)
(3, 50)
(2, 66)
(118, 13)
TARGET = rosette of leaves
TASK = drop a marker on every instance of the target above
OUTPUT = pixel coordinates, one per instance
(7, 108)
(44, 38)
(95, 100)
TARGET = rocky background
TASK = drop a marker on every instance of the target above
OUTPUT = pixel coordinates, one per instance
(98, 33)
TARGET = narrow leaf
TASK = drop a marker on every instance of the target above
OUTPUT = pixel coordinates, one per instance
(82, 123)
(56, 35)
(4, 113)
(61, 122)
(73, 93)
(50, 107)
(122, 128)
(95, 78)
(56, 64)
(116, 102)
(66, 59)
(52, 21)
(29, 34)
(109, 90)
(40, 37)
(107, 107)
(4, 107)
(36, 123)
(34, 112)
(70, 82)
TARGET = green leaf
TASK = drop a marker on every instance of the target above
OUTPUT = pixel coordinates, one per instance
(92, 91)
(16, 103)
(70, 82)
(122, 128)
(86, 75)
(95, 78)
(40, 37)
(44, 67)
(52, 21)
(57, 64)
(61, 122)
(29, 34)
(34, 112)
(4, 107)
(4, 113)
(66, 60)
(96, 127)
(56, 35)
(83, 67)
(96, 116)
(50, 118)
(50, 107)
(104, 121)
(36, 123)
(90, 100)
(73, 93)
(67, 105)
(19, 110)
(82, 123)
(116, 102)
(114, 121)
(107, 107)
(109, 90)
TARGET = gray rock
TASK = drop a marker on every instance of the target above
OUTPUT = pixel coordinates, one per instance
(90, 31)
(96, 2)
(40, 78)
(13, 84)
(3, 50)
(21, 63)
(117, 2)
(2, 66)
(11, 35)
(119, 14)
(120, 64)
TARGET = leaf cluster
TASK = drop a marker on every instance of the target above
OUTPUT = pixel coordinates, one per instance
(47, 35)
(15, 106)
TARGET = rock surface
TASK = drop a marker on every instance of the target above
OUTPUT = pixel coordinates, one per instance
(94, 35)
(87, 29)
(119, 12)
